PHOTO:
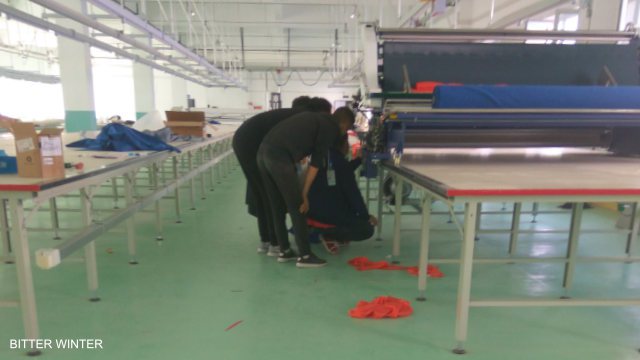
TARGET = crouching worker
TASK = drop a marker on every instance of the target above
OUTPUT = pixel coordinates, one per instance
(336, 207)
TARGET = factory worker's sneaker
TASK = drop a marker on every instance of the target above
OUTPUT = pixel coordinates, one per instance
(263, 248)
(310, 261)
(273, 250)
(287, 255)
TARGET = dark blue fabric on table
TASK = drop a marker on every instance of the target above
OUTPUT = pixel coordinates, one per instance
(536, 97)
(117, 137)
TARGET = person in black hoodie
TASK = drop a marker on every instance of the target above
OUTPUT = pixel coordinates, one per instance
(246, 141)
(286, 144)
(336, 204)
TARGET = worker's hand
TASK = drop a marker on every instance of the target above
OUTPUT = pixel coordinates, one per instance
(373, 220)
(359, 153)
(304, 207)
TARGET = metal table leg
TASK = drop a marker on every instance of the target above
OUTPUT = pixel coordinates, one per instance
(114, 188)
(464, 282)
(158, 212)
(219, 168)
(424, 247)
(515, 228)
(6, 233)
(478, 218)
(202, 175)
(572, 247)
(397, 219)
(534, 210)
(90, 248)
(23, 267)
(212, 154)
(632, 238)
(192, 185)
(176, 193)
(55, 221)
(131, 236)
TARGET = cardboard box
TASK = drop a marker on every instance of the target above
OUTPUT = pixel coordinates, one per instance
(187, 123)
(39, 155)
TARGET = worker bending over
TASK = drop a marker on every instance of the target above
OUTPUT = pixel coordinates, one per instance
(246, 141)
(286, 144)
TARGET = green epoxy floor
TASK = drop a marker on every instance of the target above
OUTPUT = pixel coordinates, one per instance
(206, 275)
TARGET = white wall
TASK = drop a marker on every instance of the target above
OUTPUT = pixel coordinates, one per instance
(197, 92)
(229, 98)
(31, 101)
(294, 87)
(162, 90)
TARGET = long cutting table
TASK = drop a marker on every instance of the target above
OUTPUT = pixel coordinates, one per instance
(167, 172)
(473, 176)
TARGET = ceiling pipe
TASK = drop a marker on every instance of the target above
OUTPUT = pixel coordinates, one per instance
(135, 21)
(72, 34)
(431, 35)
(85, 20)
(29, 76)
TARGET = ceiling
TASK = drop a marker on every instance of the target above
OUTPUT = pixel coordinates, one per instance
(215, 41)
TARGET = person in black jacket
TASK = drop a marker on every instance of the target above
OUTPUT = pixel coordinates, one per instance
(246, 141)
(286, 144)
(335, 200)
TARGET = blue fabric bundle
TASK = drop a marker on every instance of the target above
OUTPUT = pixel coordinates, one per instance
(117, 137)
(536, 97)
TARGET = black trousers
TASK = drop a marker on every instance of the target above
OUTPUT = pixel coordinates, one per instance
(285, 194)
(356, 230)
(246, 154)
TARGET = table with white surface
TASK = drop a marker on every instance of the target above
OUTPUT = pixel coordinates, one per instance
(544, 175)
(196, 161)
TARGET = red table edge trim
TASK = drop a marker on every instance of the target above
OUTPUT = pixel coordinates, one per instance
(16, 187)
(541, 192)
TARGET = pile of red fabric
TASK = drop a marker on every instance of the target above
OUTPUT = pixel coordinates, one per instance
(362, 263)
(381, 307)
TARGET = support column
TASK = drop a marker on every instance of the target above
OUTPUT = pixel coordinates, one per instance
(76, 75)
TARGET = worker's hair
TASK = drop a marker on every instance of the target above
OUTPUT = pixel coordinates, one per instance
(318, 104)
(301, 102)
(345, 114)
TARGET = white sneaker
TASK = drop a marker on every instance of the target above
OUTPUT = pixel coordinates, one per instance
(263, 248)
(273, 250)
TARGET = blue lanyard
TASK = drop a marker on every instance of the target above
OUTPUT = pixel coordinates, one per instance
(329, 162)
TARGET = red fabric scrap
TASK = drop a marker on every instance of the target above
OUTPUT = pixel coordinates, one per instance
(318, 225)
(382, 307)
(362, 263)
(233, 325)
